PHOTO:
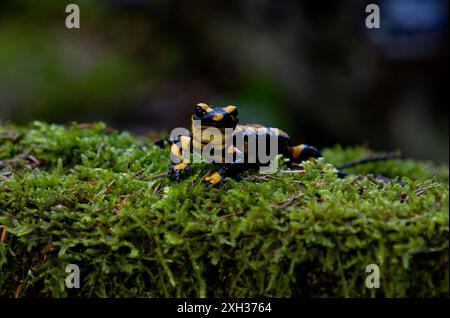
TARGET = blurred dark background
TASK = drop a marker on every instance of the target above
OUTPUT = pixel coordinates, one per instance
(309, 67)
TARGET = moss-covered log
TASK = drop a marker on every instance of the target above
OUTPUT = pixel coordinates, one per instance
(97, 198)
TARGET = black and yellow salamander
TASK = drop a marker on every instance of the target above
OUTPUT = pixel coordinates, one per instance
(220, 118)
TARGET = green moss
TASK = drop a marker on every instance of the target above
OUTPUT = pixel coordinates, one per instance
(100, 200)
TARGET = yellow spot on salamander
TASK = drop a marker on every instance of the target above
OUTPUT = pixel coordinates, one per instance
(218, 117)
(230, 108)
(297, 150)
(215, 178)
(231, 149)
(205, 107)
(180, 166)
(175, 150)
(197, 144)
(282, 133)
(185, 142)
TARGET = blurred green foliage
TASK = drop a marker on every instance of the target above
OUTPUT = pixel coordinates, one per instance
(307, 67)
(48, 78)
(94, 197)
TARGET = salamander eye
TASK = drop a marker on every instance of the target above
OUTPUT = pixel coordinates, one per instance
(199, 111)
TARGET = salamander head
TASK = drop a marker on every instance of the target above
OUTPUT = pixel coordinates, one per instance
(220, 117)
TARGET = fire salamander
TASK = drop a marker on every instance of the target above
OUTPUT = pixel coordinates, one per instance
(226, 117)
(205, 116)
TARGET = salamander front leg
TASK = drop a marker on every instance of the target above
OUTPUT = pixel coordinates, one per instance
(216, 178)
(227, 169)
(176, 171)
(180, 161)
